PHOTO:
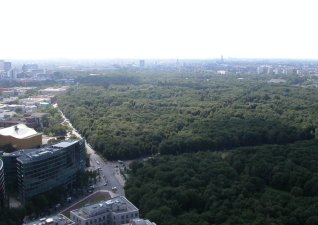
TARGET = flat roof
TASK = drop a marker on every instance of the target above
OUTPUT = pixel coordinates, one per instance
(141, 222)
(64, 144)
(56, 219)
(117, 204)
(31, 155)
(18, 131)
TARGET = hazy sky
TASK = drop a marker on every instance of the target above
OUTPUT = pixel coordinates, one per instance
(35, 29)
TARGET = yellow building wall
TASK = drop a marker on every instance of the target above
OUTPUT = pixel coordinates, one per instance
(29, 142)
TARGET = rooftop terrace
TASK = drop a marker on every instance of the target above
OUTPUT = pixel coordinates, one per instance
(115, 205)
(54, 220)
(28, 155)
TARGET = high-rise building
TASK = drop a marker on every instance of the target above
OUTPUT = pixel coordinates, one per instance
(142, 63)
(2, 186)
(36, 171)
(1, 65)
(7, 66)
(29, 67)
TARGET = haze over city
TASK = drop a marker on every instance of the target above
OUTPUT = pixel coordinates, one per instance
(158, 29)
(148, 112)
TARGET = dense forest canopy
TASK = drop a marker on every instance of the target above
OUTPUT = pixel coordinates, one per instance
(175, 113)
(270, 184)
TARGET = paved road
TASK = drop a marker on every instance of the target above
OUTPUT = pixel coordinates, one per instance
(109, 172)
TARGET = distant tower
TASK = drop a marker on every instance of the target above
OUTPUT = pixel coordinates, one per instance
(142, 63)
(7, 66)
(222, 60)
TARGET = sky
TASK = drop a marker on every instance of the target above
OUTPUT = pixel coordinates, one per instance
(141, 29)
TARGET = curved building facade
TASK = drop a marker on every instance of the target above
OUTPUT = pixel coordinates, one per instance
(36, 171)
(2, 186)
(20, 136)
(41, 170)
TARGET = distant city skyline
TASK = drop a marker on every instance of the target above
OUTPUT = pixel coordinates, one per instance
(151, 29)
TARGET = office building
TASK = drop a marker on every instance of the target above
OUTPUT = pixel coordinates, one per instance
(29, 67)
(142, 63)
(20, 136)
(115, 211)
(37, 171)
(52, 220)
(7, 66)
(2, 186)
(1, 65)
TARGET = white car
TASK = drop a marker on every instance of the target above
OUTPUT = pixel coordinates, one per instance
(114, 189)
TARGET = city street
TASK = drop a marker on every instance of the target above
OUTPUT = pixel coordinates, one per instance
(109, 172)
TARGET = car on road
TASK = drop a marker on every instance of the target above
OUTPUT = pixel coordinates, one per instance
(105, 184)
(114, 189)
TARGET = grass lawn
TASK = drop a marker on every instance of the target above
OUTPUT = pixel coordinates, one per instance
(95, 198)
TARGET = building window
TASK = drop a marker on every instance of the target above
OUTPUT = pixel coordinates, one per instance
(86, 223)
(122, 217)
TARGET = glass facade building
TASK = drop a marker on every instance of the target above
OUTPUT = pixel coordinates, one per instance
(2, 186)
(40, 170)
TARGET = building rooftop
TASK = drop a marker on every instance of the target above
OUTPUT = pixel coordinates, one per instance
(64, 144)
(53, 220)
(19, 131)
(117, 204)
(141, 222)
(1, 164)
(30, 155)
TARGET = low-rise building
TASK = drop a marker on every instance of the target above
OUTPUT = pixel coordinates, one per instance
(115, 211)
(6, 114)
(20, 136)
(53, 220)
(38, 120)
(54, 91)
